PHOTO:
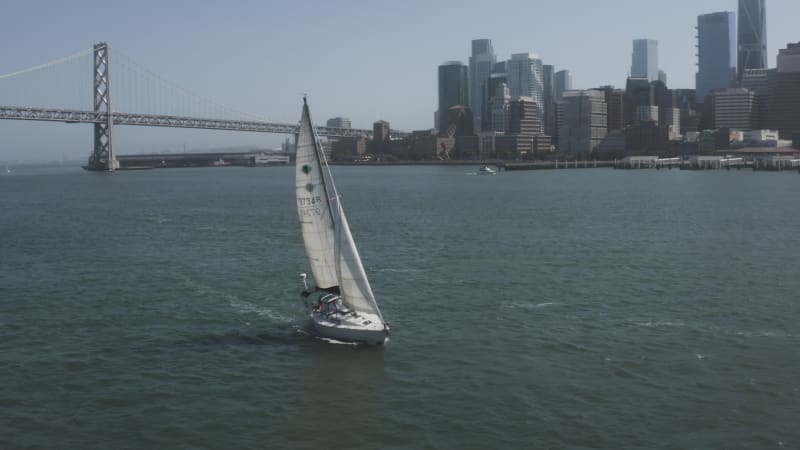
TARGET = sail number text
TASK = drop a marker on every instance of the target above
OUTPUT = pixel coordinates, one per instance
(309, 206)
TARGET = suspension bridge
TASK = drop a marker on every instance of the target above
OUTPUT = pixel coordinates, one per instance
(150, 100)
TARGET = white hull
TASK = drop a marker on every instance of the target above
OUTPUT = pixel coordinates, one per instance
(365, 328)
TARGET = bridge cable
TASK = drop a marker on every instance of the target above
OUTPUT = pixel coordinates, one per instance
(48, 64)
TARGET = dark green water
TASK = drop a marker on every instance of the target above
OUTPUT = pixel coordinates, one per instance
(547, 309)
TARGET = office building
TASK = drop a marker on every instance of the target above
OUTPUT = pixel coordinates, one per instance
(563, 83)
(614, 106)
(784, 97)
(644, 61)
(734, 108)
(338, 122)
(582, 123)
(524, 71)
(453, 90)
(716, 53)
(380, 137)
(549, 107)
(498, 109)
(481, 64)
(638, 92)
(752, 36)
(523, 117)
(662, 77)
(759, 82)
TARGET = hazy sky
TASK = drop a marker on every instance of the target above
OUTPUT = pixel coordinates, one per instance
(366, 60)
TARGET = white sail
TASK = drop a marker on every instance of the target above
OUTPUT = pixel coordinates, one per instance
(354, 286)
(313, 206)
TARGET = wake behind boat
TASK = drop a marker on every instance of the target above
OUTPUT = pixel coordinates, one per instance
(341, 306)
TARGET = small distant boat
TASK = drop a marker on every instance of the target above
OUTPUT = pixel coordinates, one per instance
(8, 170)
(345, 308)
(486, 170)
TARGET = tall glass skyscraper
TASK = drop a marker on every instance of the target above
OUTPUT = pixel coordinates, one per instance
(480, 67)
(716, 53)
(453, 90)
(752, 35)
(644, 62)
(525, 77)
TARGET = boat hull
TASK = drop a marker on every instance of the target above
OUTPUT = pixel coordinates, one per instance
(349, 330)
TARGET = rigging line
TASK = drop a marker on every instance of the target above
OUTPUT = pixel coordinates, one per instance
(48, 64)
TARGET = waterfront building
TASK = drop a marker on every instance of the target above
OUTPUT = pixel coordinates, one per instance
(716, 53)
(752, 36)
(582, 123)
(644, 60)
(481, 64)
(524, 71)
(380, 137)
(647, 138)
(338, 122)
(427, 145)
(522, 146)
(563, 83)
(348, 148)
(453, 90)
(612, 146)
(549, 107)
(784, 98)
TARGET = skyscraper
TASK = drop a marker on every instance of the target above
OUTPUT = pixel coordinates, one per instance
(480, 67)
(784, 99)
(716, 52)
(525, 77)
(453, 90)
(563, 83)
(644, 61)
(752, 35)
(549, 107)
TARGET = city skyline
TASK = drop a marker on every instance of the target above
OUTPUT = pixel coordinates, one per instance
(260, 57)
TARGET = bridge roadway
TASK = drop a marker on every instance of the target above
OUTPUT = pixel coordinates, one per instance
(119, 118)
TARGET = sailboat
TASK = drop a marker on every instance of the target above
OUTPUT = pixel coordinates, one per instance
(342, 305)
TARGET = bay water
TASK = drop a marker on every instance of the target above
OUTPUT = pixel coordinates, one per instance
(587, 308)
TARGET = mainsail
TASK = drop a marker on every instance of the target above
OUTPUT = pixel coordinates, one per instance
(313, 206)
(329, 244)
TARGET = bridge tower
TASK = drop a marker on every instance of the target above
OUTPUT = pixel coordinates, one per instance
(102, 158)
